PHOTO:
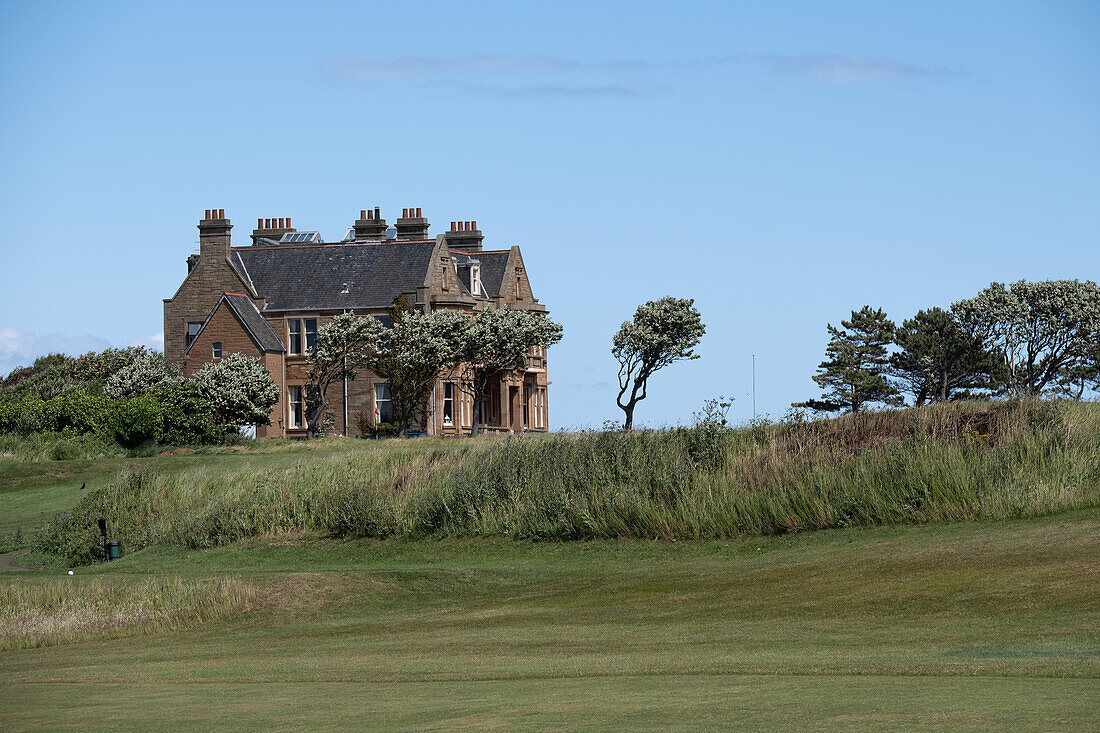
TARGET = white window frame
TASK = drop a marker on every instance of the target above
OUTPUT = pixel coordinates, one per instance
(449, 402)
(216, 350)
(378, 400)
(290, 404)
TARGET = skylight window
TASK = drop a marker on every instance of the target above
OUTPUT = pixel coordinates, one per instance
(301, 238)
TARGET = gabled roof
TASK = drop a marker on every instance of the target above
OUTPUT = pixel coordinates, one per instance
(249, 316)
(493, 265)
(312, 277)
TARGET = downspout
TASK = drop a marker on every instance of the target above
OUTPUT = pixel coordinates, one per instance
(285, 398)
(345, 395)
(435, 430)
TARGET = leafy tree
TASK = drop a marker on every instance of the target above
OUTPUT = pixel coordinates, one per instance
(412, 353)
(938, 358)
(495, 343)
(344, 345)
(853, 373)
(135, 420)
(240, 389)
(662, 332)
(187, 416)
(148, 370)
(1044, 331)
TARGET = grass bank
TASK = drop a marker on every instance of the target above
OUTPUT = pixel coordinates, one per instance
(46, 612)
(940, 463)
(967, 626)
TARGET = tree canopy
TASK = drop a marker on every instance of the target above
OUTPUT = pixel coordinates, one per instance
(344, 346)
(938, 359)
(662, 332)
(853, 373)
(1045, 332)
(240, 389)
(496, 342)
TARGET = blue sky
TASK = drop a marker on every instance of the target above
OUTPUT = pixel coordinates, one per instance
(781, 163)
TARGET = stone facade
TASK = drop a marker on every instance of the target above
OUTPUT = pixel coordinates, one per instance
(266, 300)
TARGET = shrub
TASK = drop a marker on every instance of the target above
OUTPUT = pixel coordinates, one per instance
(135, 420)
(187, 417)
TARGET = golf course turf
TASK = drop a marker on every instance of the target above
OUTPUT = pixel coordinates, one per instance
(982, 626)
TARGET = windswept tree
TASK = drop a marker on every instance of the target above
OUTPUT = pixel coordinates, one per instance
(853, 373)
(240, 390)
(938, 359)
(412, 353)
(496, 342)
(662, 332)
(344, 346)
(1043, 330)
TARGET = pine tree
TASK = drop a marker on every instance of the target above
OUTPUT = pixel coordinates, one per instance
(856, 361)
(938, 358)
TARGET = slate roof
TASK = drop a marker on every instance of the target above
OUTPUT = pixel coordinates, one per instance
(250, 316)
(312, 277)
(492, 271)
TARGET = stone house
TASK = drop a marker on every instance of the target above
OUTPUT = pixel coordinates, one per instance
(267, 299)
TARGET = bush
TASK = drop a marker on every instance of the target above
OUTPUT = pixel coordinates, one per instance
(187, 417)
(135, 420)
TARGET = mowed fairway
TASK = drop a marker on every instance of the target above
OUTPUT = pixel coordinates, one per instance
(985, 626)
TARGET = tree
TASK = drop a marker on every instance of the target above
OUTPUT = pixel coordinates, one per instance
(852, 374)
(497, 342)
(1043, 330)
(662, 332)
(148, 371)
(240, 389)
(938, 358)
(344, 345)
(412, 353)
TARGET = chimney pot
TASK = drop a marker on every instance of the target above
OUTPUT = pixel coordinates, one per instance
(282, 222)
(473, 225)
(362, 213)
(404, 213)
(418, 212)
(221, 213)
(377, 214)
(207, 213)
(288, 223)
(260, 223)
(267, 223)
(453, 225)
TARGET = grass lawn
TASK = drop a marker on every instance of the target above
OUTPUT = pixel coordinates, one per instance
(983, 626)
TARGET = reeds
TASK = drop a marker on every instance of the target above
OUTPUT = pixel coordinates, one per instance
(953, 462)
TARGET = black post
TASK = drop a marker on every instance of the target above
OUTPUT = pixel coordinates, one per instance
(102, 521)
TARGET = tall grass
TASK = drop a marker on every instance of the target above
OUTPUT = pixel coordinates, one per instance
(932, 464)
(47, 613)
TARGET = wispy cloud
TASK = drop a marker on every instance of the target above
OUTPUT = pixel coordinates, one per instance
(517, 76)
(403, 68)
(562, 90)
(837, 68)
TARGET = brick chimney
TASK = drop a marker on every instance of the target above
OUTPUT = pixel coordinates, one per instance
(370, 225)
(464, 236)
(271, 229)
(412, 225)
(214, 235)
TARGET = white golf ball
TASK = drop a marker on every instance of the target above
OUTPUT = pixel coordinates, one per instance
(70, 572)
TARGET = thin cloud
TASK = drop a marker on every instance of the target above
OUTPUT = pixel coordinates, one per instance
(558, 90)
(405, 68)
(832, 68)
